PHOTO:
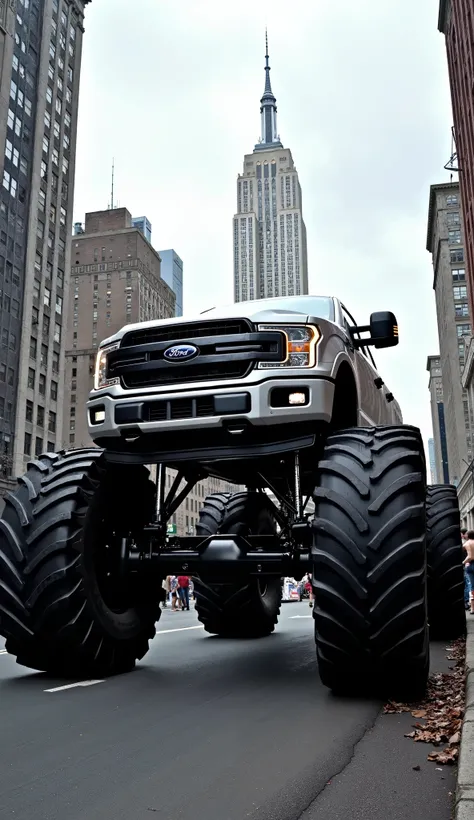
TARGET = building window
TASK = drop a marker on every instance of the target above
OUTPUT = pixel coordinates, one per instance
(38, 446)
(42, 384)
(59, 304)
(452, 199)
(460, 292)
(45, 144)
(44, 356)
(457, 255)
(47, 297)
(40, 416)
(27, 444)
(33, 347)
(31, 378)
(29, 411)
(452, 218)
(51, 447)
(459, 275)
(461, 310)
(57, 333)
(454, 237)
(54, 391)
(52, 422)
(55, 362)
(463, 330)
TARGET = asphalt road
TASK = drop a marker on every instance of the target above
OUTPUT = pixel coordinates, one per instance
(210, 729)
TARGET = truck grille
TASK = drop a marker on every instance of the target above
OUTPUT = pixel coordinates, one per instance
(227, 350)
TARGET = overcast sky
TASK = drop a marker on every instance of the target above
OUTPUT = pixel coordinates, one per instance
(171, 89)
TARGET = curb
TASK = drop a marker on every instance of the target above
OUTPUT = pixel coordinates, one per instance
(465, 785)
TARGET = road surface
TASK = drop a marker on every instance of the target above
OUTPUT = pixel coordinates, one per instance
(210, 729)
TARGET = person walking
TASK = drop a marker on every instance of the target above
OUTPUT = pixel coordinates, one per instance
(467, 583)
(166, 585)
(469, 565)
(309, 588)
(183, 591)
(174, 592)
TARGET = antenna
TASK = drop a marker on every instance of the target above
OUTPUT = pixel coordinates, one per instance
(112, 192)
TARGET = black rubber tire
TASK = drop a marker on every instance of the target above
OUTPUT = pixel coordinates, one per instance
(446, 612)
(369, 563)
(52, 610)
(233, 610)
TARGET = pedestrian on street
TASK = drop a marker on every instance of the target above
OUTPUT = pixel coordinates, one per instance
(467, 582)
(309, 588)
(183, 591)
(166, 585)
(469, 564)
(174, 592)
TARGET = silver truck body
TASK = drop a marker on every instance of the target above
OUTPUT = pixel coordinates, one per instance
(138, 372)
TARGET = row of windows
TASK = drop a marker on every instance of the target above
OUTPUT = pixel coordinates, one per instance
(38, 445)
(44, 354)
(40, 416)
(42, 381)
(13, 154)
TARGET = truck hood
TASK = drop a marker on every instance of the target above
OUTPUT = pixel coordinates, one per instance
(261, 311)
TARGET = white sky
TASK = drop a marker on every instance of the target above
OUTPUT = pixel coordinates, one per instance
(171, 89)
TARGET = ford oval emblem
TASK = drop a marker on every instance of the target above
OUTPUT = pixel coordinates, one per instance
(180, 353)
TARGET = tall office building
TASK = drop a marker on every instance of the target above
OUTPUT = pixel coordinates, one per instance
(40, 49)
(432, 460)
(270, 254)
(172, 273)
(445, 242)
(455, 22)
(115, 280)
(144, 225)
(435, 386)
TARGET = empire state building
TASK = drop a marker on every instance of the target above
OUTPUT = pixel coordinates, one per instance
(270, 255)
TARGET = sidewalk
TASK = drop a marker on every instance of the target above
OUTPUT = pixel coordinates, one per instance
(465, 785)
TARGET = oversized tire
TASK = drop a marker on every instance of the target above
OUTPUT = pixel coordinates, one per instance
(446, 612)
(236, 610)
(369, 563)
(64, 606)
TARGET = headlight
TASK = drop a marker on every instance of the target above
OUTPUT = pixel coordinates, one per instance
(301, 341)
(100, 375)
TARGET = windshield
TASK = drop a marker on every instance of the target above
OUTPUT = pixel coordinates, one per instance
(320, 306)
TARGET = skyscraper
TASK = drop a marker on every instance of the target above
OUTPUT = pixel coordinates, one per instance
(144, 225)
(432, 460)
(445, 241)
(40, 44)
(270, 255)
(435, 385)
(115, 280)
(172, 273)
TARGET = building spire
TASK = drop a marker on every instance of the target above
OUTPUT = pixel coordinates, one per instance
(268, 110)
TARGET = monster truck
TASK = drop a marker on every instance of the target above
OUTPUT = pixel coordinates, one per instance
(281, 396)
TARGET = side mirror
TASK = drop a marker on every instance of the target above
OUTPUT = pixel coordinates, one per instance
(383, 329)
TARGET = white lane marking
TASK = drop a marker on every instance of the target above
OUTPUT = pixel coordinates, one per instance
(73, 685)
(292, 617)
(179, 629)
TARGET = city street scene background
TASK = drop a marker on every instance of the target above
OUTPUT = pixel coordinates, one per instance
(134, 138)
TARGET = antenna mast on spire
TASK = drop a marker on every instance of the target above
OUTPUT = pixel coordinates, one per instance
(112, 191)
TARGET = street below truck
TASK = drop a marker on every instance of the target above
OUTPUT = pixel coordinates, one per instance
(211, 728)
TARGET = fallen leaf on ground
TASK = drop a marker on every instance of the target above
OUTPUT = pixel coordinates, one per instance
(442, 710)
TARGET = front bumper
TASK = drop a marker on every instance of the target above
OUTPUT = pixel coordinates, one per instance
(207, 409)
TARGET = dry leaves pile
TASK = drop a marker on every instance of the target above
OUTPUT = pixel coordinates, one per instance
(442, 710)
